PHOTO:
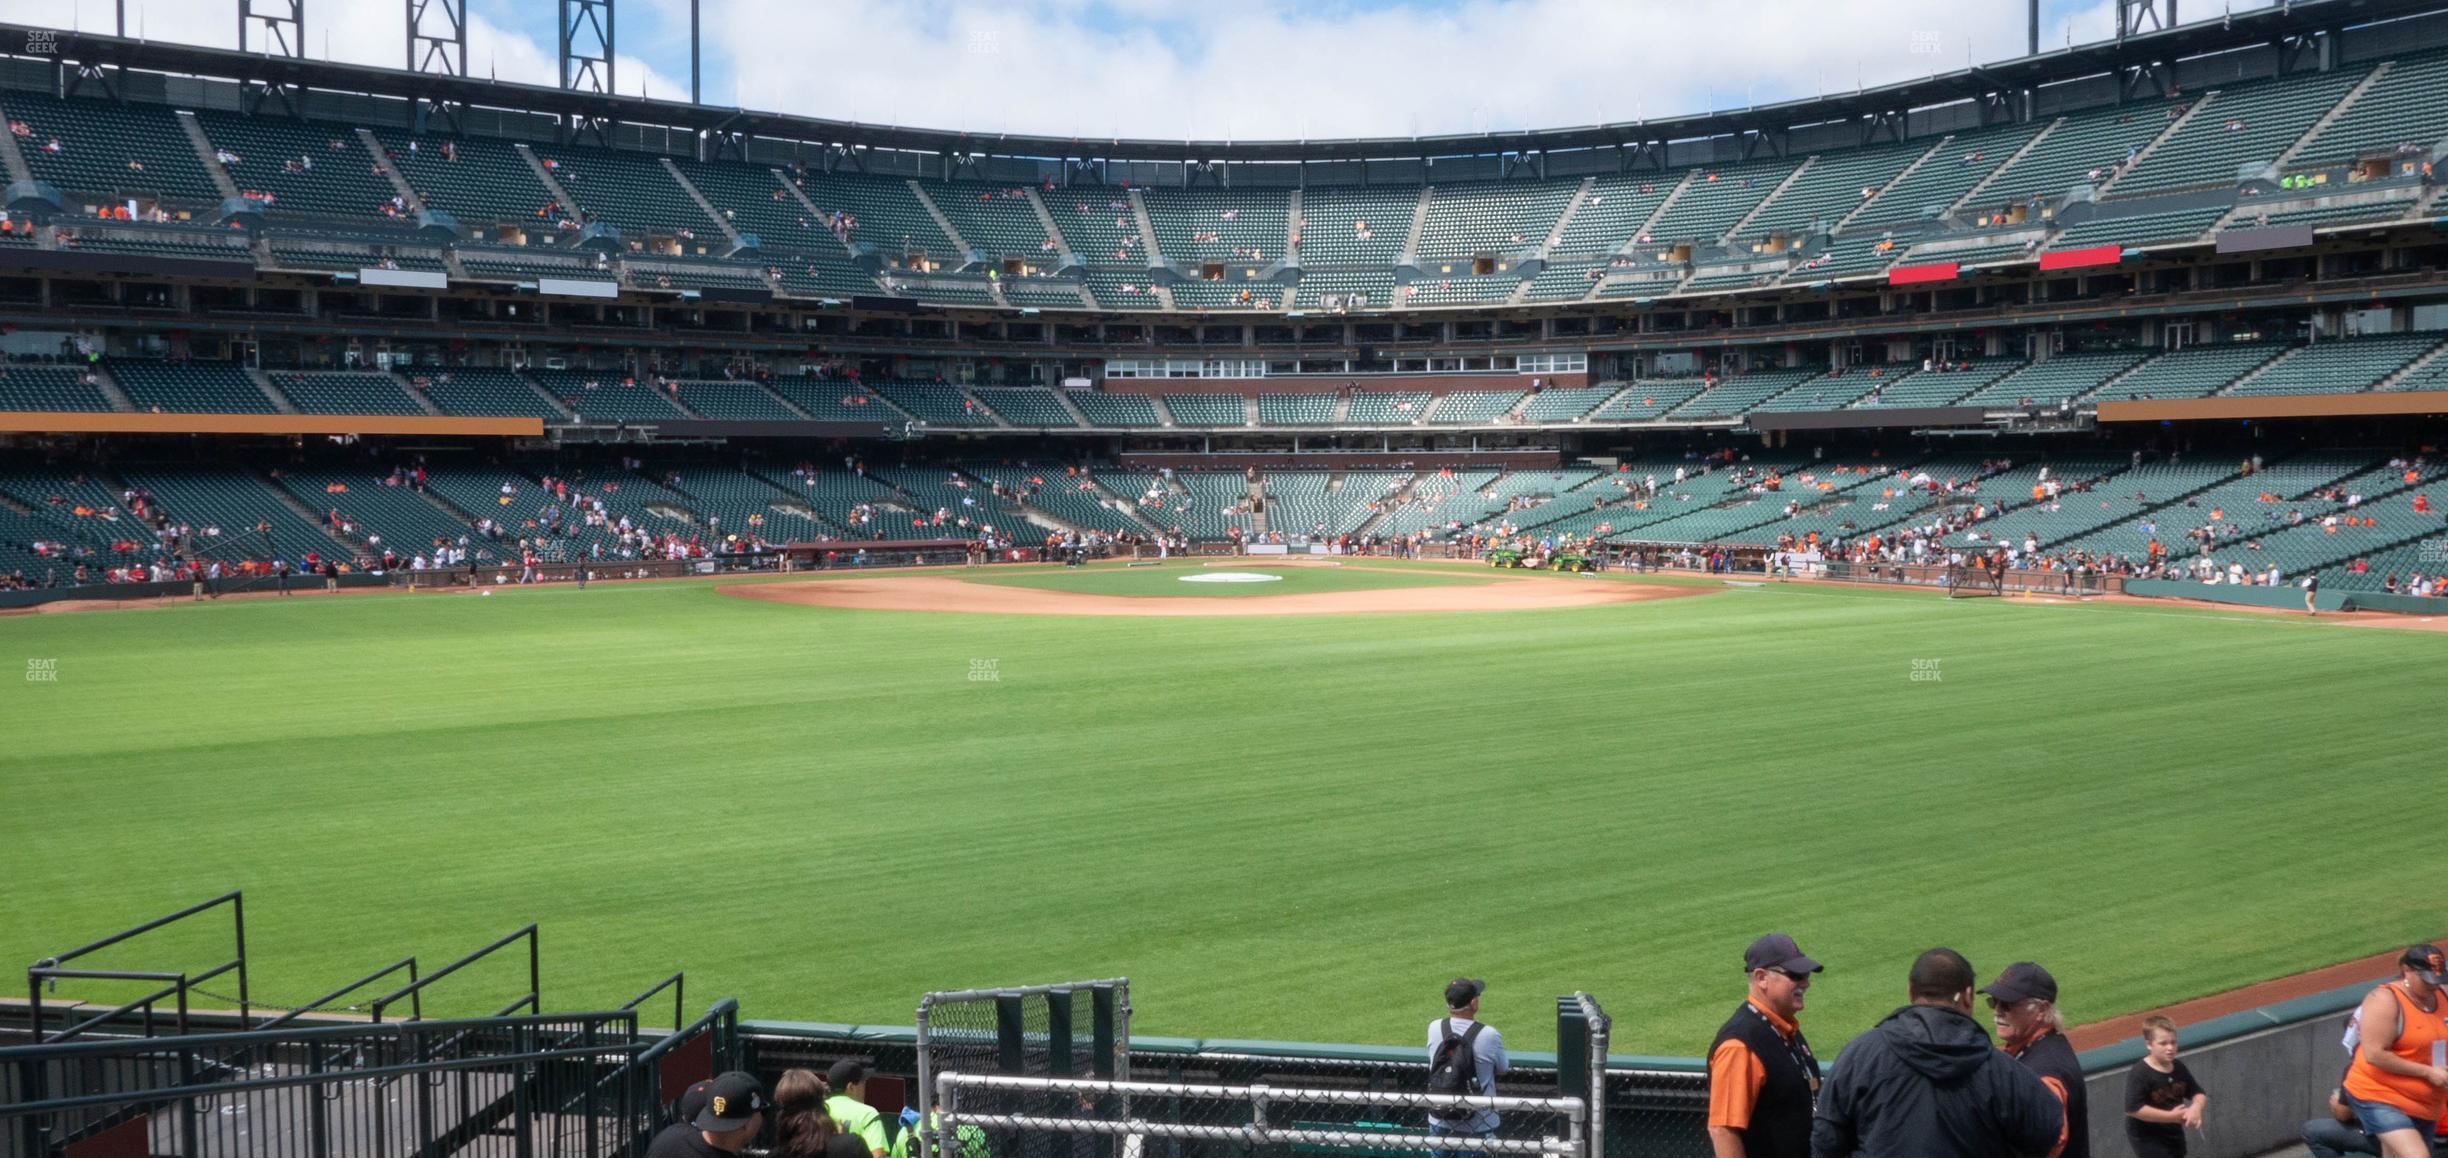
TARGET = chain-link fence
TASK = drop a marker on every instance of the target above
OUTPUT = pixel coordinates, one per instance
(1028, 1117)
(1067, 1030)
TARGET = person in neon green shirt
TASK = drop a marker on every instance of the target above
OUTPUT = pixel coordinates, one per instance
(970, 1139)
(849, 1107)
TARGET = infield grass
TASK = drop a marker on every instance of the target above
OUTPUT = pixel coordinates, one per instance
(1295, 828)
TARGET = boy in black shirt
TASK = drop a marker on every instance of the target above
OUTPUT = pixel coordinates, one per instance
(2162, 1100)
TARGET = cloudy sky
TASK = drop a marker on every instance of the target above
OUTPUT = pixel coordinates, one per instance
(1236, 70)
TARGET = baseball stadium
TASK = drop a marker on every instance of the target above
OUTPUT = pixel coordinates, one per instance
(532, 596)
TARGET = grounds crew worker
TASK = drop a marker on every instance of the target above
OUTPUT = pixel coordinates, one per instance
(1926, 1083)
(849, 1107)
(1761, 1075)
(2023, 1008)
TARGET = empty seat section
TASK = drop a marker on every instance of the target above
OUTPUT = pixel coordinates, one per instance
(2242, 123)
(1105, 409)
(1611, 214)
(1208, 409)
(1352, 225)
(479, 182)
(1489, 219)
(1440, 290)
(631, 191)
(309, 168)
(1943, 179)
(1834, 392)
(887, 217)
(49, 388)
(952, 506)
(607, 395)
(2192, 372)
(1646, 400)
(735, 401)
(341, 256)
(1833, 185)
(1296, 409)
(325, 393)
(1207, 225)
(1027, 407)
(997, 219)
(2068, 375)
(110, 151)
(1558, 283)
(852, 502)
(1344, 290)
(1229, 294)
(1374, 408)
(1715, 199)
(1473, 407)
(1565, 405)
(2408, 106)
(2069, 153)
(1732, 396)
(2340, 366)
(481, 393)
(2322, 216)
(190, 387)
(934, 403)
(1099, 225)
(1942, 385)
(834, 400)
(811, 260)
(2139, 229)
(1121, 289)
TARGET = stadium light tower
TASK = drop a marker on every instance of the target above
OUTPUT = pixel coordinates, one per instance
(586, 45)
(437, 36)
(284, 26)
(2135, 17)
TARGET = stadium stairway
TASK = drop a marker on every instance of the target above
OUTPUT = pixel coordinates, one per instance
(543, 176)
(12, 161)
(942, 222)
(1419, 222)
(280, 401)
(1054, 233)
(2331, 117)
(1972, 195)
(717, 216)
(194, 129)
(382, 164)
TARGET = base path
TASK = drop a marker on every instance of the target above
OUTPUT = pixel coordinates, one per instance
(942, 593)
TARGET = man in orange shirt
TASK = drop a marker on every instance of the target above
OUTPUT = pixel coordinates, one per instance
(1763, 1079)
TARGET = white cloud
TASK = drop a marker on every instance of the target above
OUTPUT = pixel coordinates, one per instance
(1243, 69)
(1270, 69)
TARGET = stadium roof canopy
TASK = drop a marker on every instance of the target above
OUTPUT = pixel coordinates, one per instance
(2295, 24)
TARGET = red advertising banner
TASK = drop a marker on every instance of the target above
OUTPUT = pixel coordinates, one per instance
(1910, 274)
(2077, 258)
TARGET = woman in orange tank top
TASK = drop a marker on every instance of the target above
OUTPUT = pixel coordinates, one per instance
(2399, 1077)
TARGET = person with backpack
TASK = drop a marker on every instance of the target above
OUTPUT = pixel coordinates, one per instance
(1465, 1056)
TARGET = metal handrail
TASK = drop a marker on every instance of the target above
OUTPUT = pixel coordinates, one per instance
(414, 990)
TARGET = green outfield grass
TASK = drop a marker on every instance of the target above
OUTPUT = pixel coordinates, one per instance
(1168, 581)
(1294, 828)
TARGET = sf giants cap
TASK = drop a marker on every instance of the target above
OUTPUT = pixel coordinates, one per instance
(2022, 981)
(1462, 991)
(1778, 951)
(2427, 958)
(731, 1101)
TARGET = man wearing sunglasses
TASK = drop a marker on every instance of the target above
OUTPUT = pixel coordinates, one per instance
(1762, 1077)
(2023, 1010)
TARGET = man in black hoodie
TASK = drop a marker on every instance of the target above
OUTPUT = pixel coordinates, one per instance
(1926, 1083)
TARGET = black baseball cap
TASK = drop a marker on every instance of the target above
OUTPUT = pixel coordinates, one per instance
(1462, 991)
(732, 1099)
(2427, 958)
(693, 1100)
(1777, 951)
(2023, 981)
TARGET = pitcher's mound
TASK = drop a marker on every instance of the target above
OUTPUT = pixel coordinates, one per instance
(943, 593)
